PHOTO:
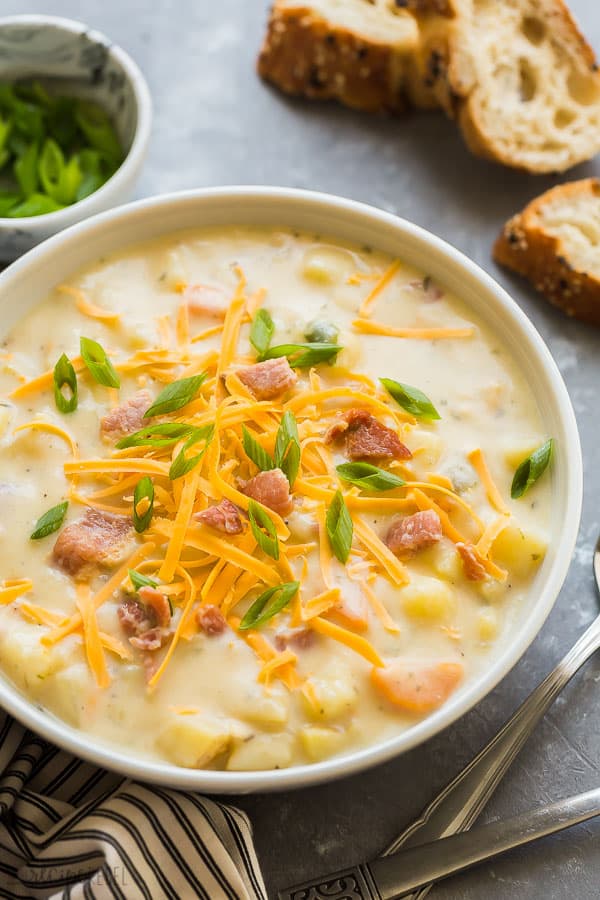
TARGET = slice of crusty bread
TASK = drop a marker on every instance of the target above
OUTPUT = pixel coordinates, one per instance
(517, 75)
(354, 51)
(555, 243)
(522, 83)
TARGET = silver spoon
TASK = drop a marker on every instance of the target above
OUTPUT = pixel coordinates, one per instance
(459, 804)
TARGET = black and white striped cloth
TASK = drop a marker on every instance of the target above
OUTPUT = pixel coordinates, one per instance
(70, 830)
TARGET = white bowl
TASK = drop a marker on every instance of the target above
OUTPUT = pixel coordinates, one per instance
(28, 281)
(51, 47)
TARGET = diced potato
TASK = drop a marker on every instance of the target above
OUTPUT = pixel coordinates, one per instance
(331, 695)
(24, 658)
(427, 447)
(351, 355)
(194, 740)
(271, 710)
(327, 265)
(66, 692)
(319, 742)
(428, 599)
(263, 751)
(491, 590)
(519, 552)
(516, 453)
(445, 562)
(487, 625)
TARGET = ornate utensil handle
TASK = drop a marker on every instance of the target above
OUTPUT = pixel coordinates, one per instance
(356, 883)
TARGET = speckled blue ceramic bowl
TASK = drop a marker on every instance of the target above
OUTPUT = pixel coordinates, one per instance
(95, 69)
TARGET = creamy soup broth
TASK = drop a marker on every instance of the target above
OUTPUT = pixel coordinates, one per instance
(392, 633)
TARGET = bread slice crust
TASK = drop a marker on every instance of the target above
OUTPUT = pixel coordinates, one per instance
(528, 246)
(305, 53)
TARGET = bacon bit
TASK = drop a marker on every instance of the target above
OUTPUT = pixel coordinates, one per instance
(474, 568)
(198, 297)
(223, 517)
(127, 418)
(270, 488)
(268, 379)
(423, 529)
(158, 603)
(367, 438)
(134, 619)
(429, 288)
(153, 639)
(211, 620)
(301, 638)
(99, 538)
(146, 621)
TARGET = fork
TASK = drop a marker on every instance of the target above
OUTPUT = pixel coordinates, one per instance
(459, 804)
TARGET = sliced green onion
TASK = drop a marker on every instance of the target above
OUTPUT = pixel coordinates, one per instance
(176, 395)
(146, 437)
(340, 529)
(183, 464)
(100, 366)
(26, 170)
(287, 447)
(321, 331)
(261, 332)
(50, 521)
(51, 166)
(64, 375)
(35, 205)
(138, 580)
(97, 128)
(262, 610)
(531, 469)
(255, 452)
(303, 356)
(263, 530)
(368, 477)
(144, 489)
(411, 399)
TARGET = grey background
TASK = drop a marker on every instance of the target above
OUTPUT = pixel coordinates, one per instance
(216, 123)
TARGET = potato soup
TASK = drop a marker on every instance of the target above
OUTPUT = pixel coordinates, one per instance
(259, 502)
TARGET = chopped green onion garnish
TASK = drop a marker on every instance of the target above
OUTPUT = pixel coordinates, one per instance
(255, 452)
(262, 610)
(261, 332)
(144, 490)
(176, 395)
(50, 521)
(183, 464)
(368, 477)
(64, 375)
(100, 366)
(340, 529)
(411, 399)
(531, 469)
(263, 530)
(287, 447)
(138, 580)
(152, 435)
(303, 356)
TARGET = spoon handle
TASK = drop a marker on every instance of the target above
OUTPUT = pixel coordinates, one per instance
(460, 802)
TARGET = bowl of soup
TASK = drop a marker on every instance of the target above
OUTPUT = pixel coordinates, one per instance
(288, 485)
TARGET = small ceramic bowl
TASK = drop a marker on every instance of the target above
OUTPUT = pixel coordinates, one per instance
(97, 70)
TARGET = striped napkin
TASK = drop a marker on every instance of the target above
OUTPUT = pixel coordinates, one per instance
(71, 830)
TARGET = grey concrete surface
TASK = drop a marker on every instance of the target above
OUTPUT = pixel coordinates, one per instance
(216, 123)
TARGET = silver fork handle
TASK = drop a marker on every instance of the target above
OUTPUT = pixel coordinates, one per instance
(459, 804)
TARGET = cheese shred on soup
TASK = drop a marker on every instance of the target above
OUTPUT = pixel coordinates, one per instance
(261, 514)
